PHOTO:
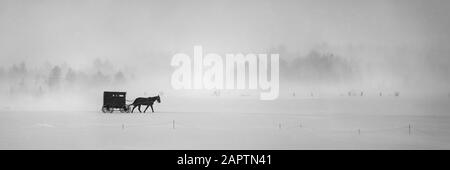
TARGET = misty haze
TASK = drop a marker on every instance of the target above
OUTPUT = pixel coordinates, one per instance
(352, 74)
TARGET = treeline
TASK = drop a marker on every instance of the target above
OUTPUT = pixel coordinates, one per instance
(317, 67)
(19, 78)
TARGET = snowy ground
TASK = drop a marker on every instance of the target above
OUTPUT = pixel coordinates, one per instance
(220, 123)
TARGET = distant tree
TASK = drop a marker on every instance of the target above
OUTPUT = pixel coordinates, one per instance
(104, 66)
(317, 67)
(55, 77)
(23, 67)
(100, 78)
(70, 76)
(18, 71)
(119, 77)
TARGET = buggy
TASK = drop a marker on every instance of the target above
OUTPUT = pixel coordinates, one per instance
(115, 101)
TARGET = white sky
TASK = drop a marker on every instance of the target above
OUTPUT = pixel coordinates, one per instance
(77, 31)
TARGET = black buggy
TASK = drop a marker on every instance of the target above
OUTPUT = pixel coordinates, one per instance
(115, 101)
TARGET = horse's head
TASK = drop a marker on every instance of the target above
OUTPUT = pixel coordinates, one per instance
(158, 99)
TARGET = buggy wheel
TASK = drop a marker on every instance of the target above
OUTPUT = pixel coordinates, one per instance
(127, 109)
(123, 110)
(104, 109)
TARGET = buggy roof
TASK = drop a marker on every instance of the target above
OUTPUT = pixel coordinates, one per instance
(114, 94)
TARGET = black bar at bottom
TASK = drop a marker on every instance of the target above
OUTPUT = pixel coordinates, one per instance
(206, 159)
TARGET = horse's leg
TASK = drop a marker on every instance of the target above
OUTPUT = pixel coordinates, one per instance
(146, 108)
(152, 108)
(139, 108)
(133, 108)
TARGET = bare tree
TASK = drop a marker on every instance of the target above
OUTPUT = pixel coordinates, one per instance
(54, 77)
(71, 76)
(119, 77)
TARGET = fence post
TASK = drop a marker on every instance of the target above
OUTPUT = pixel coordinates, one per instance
(409, 129)
(173, 124)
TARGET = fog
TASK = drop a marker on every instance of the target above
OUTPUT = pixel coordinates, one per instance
(68, 52)
(354, 74)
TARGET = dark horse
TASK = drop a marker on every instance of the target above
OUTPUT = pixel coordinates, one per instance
(145, 101)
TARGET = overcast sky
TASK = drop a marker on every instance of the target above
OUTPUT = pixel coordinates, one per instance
(78, 31)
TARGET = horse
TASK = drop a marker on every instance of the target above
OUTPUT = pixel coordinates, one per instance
(145, 101)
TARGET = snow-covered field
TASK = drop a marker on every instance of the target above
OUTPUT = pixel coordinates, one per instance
(244, 123)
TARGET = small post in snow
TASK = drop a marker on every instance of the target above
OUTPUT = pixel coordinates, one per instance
(173, 124)
(409, 129)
